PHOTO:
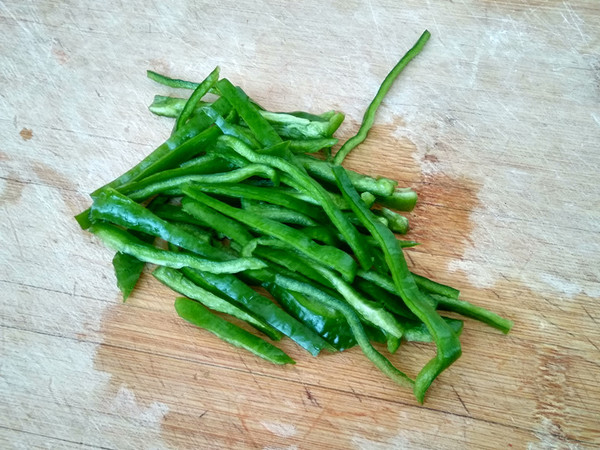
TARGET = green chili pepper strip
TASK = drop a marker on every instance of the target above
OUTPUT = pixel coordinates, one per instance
(209, 163)
(395, 222)
(330, 256)
(369, 117)
(329, 323)
(403, 199)
(371, 312)
(314, 189)
(231, 129)
(278, 213)
(122, 241)
(200, 91)
(172, 186)
(418, 332)
(175, 280)
(311, 145)
(263, 131)
(261, 307)
(114, 207)
(337, 200)
(448, 345)
(127, 270)
(217, 221)
(475, 312)
(264, 194)
(173, 213)
(198, 315)
(204, 164)
(362, 183)
(170, 82)
(168, 106)
(428, 285)
(435, 287)
(380, 361)
(294, 127)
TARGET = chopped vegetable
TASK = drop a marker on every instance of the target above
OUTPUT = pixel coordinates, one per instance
(369, 117)
(200, 316)
(241, 202)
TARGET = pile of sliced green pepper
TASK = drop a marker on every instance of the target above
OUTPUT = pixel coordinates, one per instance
(240, 203)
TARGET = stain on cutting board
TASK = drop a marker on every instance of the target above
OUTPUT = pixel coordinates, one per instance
(26, 134)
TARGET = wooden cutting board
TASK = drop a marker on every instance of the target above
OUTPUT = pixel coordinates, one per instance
(496, 125)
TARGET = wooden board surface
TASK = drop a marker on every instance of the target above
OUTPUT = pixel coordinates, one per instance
(496, 125)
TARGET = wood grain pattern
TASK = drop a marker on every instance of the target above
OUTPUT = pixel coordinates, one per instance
(496, 125)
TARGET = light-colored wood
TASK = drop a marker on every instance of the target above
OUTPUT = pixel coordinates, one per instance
(496, 125)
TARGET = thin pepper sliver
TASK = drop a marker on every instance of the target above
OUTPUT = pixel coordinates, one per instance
(369, 117)
(122, 241)
(200, 316)
(176, 280)
(200, 91)
(172, 185)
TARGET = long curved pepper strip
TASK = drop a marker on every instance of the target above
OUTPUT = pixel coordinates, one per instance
(329, 256)
(198, 315)
(122, 241)
(369, 117)
(380, 361)
(448, 345)
(200, 91)
(314, 189)
(172, 186)
(278, 213)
